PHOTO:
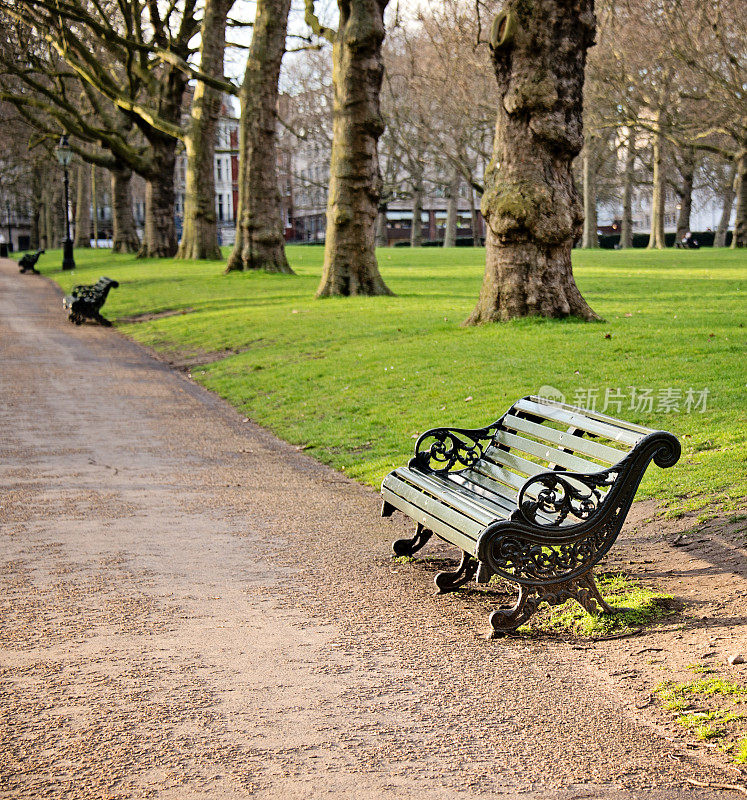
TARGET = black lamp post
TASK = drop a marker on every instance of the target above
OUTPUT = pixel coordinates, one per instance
(10, 230)
(64, 156)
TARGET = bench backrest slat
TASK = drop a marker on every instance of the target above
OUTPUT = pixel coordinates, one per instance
(505, 496)
(575, 444)
(600, 417)
(606, 427)
(513, 462)
(498, 474)
(549, 455)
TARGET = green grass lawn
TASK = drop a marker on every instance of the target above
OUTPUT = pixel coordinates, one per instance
(355, 380)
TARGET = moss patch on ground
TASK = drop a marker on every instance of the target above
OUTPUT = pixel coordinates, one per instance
(712, 709)
(638, 606)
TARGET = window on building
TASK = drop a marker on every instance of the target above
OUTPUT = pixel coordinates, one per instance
(219, 169)
(220, 207)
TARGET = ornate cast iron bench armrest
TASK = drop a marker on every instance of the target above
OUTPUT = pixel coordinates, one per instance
(442, 450)
(565, 494)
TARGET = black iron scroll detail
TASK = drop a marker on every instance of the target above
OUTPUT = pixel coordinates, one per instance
(442, 450)
(531, 550)
(559, 497)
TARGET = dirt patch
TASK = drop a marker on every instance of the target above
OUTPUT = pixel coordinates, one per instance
(703, 565)
(175, 312)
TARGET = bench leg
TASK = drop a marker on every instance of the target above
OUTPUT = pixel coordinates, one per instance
(450, 581)
(505, 620)
(102, 320)
(587, 582)
(406, 547)
(583, 590)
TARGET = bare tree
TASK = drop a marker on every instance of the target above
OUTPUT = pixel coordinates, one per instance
(350, 266)
(260, 243)
(530, 203)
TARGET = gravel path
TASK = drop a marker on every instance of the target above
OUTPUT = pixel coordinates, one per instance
(194, 609)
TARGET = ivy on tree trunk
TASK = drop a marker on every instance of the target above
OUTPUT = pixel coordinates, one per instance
(727, 203)
(260, 240)
(656, 239)
(159, 236)
(686, 194)
(530, 204)
(381, 238)
(416, 231)
(626, 227)
(589, 238)
(452, 210)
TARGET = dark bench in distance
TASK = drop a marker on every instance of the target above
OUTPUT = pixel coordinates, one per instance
(85, 302)
(27, 262)
(537, 498)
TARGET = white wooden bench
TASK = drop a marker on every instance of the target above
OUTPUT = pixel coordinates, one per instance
(538, 498)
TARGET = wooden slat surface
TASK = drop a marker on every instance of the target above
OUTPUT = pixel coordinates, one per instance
(458, 501)
(514, 462)
(585, 423)
(577, 444)
(438, 526)
(548, 454)
(455, 495)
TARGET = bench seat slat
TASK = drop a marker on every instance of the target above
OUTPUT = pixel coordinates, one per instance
(459, 514)
(435, 507)
(583, 422)
(565, 439)
(438, 526)
(549, 454)
(452, 494)
(487, 493)
(506, 494)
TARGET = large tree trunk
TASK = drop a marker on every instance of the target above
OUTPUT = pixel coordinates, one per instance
(589, 238)
(740, 223)
(452, 210)
(200, 231)
(656, 239)
(83, 207)
(37, 208)
(50, 239)
(727, 203)
(686, 194)
(350, 266)
(159, 236)
(416, 231)
(626, 228)
(94, 206)
(124, 230)
(476, 233)
(381, 238)
(531, 205)
(260, 242)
